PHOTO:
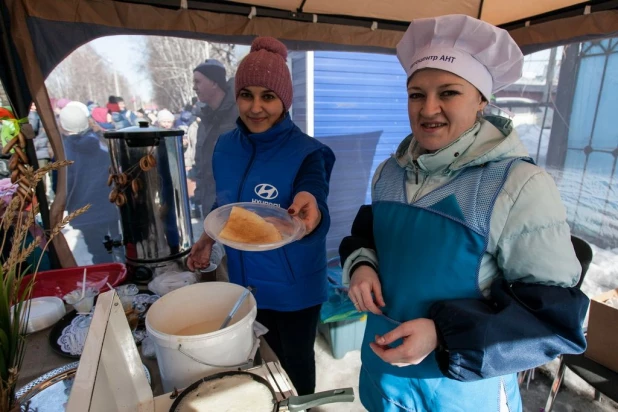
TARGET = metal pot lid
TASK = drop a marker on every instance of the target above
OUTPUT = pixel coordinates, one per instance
(143, 131)
(268, 403)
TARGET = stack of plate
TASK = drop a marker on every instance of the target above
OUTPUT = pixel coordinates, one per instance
(44, 312)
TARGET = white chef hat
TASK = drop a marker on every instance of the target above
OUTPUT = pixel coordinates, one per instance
(483, 54)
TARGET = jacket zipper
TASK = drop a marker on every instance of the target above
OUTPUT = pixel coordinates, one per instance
(416, 171)
(240, 190)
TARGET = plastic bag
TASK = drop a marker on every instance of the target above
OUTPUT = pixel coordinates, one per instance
(217, 253)
(98, 285)
(148, 348)
(169, 281)
(259, 329)
(338, 307)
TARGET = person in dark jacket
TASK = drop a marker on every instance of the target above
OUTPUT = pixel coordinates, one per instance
(463, 260)
(217, 117)
(87, 181)
(116, 108)
(41, 142)
(126, 113)
(268, 159)
(103, 117)
(185, 118)
(41, 146)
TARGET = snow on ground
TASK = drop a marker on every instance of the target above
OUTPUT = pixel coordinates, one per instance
(603, 273)
(530, 135)
(334, 373)
(77, 245)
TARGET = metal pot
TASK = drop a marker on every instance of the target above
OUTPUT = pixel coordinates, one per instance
(291, 404)
(156, 220)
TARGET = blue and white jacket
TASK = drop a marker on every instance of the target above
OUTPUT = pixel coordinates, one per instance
(499, 287)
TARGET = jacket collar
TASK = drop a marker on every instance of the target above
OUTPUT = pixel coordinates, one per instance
(491, 138)
(409, 150)
(270, 137)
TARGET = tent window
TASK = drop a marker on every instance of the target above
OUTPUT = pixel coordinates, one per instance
(357, 104)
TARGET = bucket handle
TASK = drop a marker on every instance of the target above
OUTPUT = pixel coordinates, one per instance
(244, 365)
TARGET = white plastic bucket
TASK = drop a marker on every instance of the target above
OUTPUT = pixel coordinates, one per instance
(184, 359)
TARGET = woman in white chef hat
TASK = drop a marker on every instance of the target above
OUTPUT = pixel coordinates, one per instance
(464, 258)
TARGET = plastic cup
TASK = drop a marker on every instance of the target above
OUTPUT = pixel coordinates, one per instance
(82, 305)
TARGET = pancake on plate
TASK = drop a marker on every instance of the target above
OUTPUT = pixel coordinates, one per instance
(228, 394)
(244, 226)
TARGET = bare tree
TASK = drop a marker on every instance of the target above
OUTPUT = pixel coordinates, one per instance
(85, 75)
(167, 61)
(170, 62)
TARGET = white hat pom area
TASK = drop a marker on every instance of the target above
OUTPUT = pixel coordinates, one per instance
(74, 119)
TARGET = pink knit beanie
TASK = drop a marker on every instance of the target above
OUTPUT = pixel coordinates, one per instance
(265, 66)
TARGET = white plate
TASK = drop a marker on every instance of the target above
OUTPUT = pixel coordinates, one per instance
(44, 312)
(291, 228)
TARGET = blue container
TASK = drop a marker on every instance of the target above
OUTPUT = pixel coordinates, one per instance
(344, 336)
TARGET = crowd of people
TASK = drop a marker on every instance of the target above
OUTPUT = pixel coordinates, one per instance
(115, 115)
(82, 126)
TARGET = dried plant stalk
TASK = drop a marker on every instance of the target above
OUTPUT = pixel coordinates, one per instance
(16, 223)
(65, 221)
(51, 166)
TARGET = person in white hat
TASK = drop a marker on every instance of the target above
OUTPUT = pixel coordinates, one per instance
(165, 119)
(86, 181)
(464, 259)
(74, 118)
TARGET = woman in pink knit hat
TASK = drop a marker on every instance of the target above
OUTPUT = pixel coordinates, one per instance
(268, 159)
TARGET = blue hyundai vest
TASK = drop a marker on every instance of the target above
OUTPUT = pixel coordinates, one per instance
(262, 168)
(430, 251)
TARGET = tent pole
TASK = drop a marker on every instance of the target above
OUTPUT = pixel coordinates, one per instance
(480, 13)
(302, 5)
(19, 96)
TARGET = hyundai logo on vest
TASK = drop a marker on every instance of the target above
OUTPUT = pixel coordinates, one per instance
(266, 191)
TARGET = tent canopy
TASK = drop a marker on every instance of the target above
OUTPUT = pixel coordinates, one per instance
(56, 28)
(493, 11)
(368, 25)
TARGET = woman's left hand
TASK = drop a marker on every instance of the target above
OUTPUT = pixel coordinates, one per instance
(419, 340)
(306, 208)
